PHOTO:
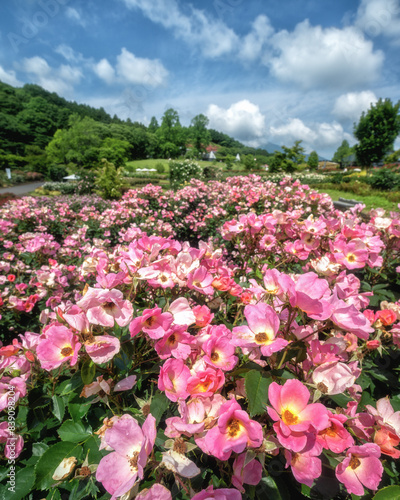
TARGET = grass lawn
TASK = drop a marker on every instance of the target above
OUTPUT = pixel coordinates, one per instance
(372, 201)
(151, 163)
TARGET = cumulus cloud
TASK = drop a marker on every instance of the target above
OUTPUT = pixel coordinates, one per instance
(379, 17)
(105, 71)
(9, 77)
(350, 106)
(195, 27)
(60, 80)
(317, 136)
(314, 56)
(242, 120)
(252, 44)
(130, 69)
(138, 70)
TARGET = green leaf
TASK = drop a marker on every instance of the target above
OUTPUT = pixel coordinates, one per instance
(58, 407)
(88, 372)
(91, 447)
(257, 392)
(158, 405)
(77, 410)
(74, 432)
(69, 386)
(38, 449)
(24, 481)
(51, 459)
(341, 400)
(267, 488)
(306, 490)
(388, 493)
(37, 399)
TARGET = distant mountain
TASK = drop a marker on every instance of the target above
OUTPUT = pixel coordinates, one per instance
(271, 147)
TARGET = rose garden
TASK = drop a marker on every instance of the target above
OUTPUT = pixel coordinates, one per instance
(227, 340)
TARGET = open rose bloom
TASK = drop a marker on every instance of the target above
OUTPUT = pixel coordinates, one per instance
(191, 343)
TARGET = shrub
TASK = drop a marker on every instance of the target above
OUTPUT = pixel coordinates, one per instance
(212, 172)
(109, 181)
(383, 179)
(57, 173)
(180, 172)
(62, 187)
(34, 176)
(5, 197)
(160, 168)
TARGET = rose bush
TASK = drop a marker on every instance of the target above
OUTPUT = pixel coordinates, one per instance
(229, 340)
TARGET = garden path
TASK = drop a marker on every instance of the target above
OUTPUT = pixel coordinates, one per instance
(21, 189)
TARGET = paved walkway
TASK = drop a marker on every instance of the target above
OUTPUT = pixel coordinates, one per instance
(21, 189)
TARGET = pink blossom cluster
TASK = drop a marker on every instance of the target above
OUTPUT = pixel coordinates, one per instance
(204, 314)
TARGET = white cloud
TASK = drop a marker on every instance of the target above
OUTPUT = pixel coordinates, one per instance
(105, 71)
(253, 43)
(209, 34)
(36, 65)
(138, 70)
(319, 136)
(130, 69)
(295, 130)
(242, 120)
(69, 53)
(313, 56)
(60, 80)
(74, 15)
(9, 77)
(350, 106)
(379, 17)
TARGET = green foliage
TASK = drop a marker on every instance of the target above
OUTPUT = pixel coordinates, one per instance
(56, 173)
(388, 493)
(376, 132)
(109, 181)
(294, 154)
(249, 162)
(257, 392)
(229, 160)
(393, 157)
(342, 153)
(198, 133)
(171, 134)
(384, 180)
(288, 160)
(180, 172)
(115, 151)
(212, 172)
(312, 161)
(160, 168)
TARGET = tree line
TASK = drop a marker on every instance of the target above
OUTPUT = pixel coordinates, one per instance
(39, 129)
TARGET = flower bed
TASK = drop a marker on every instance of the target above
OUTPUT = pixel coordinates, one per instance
(230, 340)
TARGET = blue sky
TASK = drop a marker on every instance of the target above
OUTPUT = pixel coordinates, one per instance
(262, 71)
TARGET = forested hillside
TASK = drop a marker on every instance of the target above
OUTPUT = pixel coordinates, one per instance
(38, 128)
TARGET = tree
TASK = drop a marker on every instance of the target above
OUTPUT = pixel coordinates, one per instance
(295, 153)
(312, 161)
(153, 125)
(114, 150)
(249, 162)
(170, 133)
(376, 132)
(79, 144)
(393, 157)
(198, 132)
(342, 152)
